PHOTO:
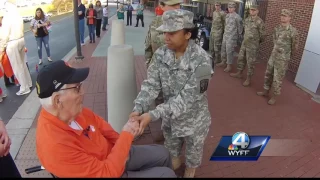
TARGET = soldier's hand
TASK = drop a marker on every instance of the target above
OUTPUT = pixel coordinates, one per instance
(144, 120)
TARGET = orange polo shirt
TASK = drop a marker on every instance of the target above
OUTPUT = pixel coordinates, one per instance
(66, 152)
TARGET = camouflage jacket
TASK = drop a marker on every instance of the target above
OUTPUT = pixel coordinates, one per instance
(184, 83)
(154, 39)
(233, 28)
(286, 40)
(254, 32)
(218, 23)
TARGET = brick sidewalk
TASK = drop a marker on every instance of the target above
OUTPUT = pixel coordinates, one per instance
(233, 108)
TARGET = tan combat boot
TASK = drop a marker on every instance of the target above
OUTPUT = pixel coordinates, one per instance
(263, 93)
(222, 64)
(237, 74)
(176, 163)
(228, 68)
(247, 82)
(189, 172)
(272, 100)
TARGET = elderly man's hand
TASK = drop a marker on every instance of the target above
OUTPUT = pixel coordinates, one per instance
(134, 114)
(132, 127)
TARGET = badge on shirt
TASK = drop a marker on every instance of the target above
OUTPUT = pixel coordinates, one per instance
(204, 83)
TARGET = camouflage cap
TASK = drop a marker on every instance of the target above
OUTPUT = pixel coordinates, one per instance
(231, 5)
(286, 12)
(176, 20)
(171, 2)
(217, 3)
(254, 6)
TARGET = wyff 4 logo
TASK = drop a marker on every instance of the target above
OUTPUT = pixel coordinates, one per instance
(240, 141)
(242, 148)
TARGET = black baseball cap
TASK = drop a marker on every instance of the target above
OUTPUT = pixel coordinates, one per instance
(52, 77)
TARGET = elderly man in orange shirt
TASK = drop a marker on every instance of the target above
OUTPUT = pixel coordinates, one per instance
(72, 141)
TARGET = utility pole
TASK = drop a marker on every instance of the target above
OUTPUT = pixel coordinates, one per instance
(76, 30)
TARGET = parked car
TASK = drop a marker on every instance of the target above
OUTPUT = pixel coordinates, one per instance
(27, 18)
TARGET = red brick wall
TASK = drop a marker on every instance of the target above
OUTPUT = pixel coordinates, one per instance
(301, 20)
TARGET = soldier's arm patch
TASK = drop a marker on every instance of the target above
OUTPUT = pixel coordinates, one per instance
(204, 83)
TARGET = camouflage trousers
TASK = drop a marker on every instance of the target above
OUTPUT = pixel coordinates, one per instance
(194, 145)
(215, 47)
(227, 50)
(275, 72)
(247, 56)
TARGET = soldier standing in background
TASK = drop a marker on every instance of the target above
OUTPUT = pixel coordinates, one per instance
(155, 39)
(216, 34)
(286, 40)
(254, 34)
(182, 70)
(232, 32)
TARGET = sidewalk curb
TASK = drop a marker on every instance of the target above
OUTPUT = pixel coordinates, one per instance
(19, 125)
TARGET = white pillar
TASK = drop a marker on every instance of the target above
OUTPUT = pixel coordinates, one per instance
(117, 33)
(121, 85)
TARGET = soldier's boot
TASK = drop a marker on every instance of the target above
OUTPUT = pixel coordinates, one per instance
(176, 163)
(189, 172)
(222, 64)
(263, 93)
(237, 74)
(228, 68)
(247, 82)
(272, 100)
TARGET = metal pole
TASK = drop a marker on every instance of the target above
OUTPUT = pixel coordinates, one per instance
(76, 30)
(243, 8)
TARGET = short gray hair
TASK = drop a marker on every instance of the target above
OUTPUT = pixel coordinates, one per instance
(47, 102)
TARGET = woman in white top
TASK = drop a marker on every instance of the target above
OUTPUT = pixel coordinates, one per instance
(105, 18)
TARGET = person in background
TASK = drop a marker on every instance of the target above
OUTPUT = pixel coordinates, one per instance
(91, 16)
(5, 78)
(12, 42)
(82, 14)
(120, 12)
(129, 14)
(8, 168)
(99, 11)
(140, 9)
(105, 18)
(39, 27)
(159, 10)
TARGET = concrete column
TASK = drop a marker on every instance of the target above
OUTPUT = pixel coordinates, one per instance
(121, 85)
(117, 33)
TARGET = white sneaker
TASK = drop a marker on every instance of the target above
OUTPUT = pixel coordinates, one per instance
(19, 93)
(82, 44)
(49, 59)
(40, 62)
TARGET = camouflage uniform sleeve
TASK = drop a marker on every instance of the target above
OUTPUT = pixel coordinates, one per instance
(181, 103)
(274, 35)
(150, 88)
(239, 25)
(147, 47)
(223, 21)
(295, 41)
(262, 31)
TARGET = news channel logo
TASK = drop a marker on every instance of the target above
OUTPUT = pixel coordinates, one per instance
(240, 147)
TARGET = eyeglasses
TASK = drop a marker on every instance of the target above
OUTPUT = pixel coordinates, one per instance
(78, 88)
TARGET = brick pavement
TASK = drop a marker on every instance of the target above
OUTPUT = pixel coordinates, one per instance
(233, 108)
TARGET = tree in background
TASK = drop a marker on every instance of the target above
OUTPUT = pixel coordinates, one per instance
(61, 6)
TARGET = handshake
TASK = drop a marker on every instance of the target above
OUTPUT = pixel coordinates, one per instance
(136, 123)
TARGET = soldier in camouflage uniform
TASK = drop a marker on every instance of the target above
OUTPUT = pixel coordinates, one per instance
(216, 34)
(155, 39)
(285, 39)
(182, 70)
(253, 35)
(232, 31)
